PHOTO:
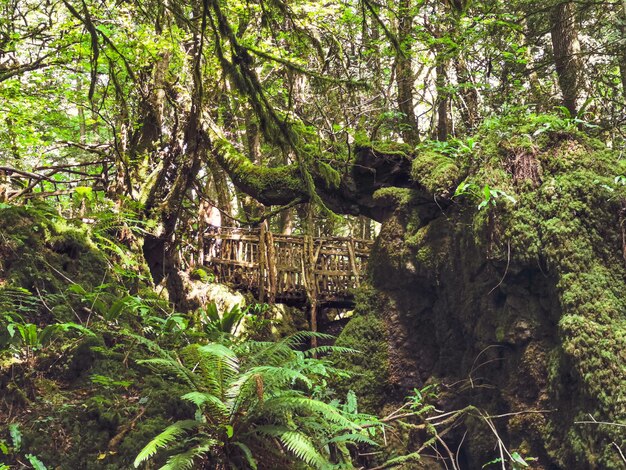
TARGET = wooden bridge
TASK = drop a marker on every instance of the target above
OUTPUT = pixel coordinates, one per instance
(292, 269)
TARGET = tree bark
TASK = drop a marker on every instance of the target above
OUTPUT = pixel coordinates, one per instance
(622, 57)
(566, 49)
(443, 98)
(469, 95)
(404, 75)
(179, 170)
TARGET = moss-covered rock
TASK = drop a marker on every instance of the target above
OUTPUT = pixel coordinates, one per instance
(41, 253)
(369, 369)
(519, 304)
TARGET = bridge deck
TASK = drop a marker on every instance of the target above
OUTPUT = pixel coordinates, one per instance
(287, 268)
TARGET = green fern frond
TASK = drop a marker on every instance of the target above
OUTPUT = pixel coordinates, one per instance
(273, 430)
(248, 454)
(211, 401)
(305, 405)
(352, 438)
(185, 460)
(329, 349)
(278, 375)
(281, 351)
(403, 459)
(222, 353)
(172, 366)
(303, 336)
(302, 447)
(168, 436)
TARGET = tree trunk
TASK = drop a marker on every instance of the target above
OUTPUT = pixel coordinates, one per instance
(469, 95)
(180, 167)
(285, 222)
(443, 98)
(404, 75)
(622, 56)
(566, 47)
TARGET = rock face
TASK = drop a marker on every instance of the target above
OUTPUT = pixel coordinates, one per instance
(489, 339)
(518, 308)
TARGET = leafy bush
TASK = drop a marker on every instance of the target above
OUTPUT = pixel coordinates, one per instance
(258, 406)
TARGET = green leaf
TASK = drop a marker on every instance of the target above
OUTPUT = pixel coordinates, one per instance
(185, 460)
(248, 454)
(35, 462)
(199, 399)
(16, 436)
(353, 438)
(171, 434)
(518, 459)
(302, 447)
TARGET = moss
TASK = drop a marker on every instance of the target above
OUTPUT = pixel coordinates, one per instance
(331, 177)
(286, 320)
(75, 423)
(369, 369)
(41, 253)
(437, 172)
(361, 140)
(279, 184)
(567, 223)
(400, 197)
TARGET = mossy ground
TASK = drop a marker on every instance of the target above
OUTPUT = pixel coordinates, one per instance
(79, 401)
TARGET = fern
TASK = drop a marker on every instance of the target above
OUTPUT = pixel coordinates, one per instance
(302, 447)
(310, 406)
(248, 454)
(222, 354)
(171, 434)
(352, 438)
(313, 352)
(206, 399)
(185, 460)
(258, 396)
(173, 367)
(278, 376)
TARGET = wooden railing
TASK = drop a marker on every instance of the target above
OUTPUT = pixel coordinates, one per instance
(287, 268)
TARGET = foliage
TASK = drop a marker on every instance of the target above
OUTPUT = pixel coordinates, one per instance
(487, 196)
(13, 449)
(256, 405)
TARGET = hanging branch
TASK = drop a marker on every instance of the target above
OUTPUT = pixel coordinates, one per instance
(298, 68)
(95, 45)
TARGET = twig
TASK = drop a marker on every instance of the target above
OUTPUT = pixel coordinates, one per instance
(621, 454)
(508, 262)
(476, 359)
(594, 421)
(458, 450)
(505, 415)
(117, 439)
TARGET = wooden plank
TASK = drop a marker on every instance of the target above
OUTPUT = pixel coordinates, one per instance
(244, 264)
(262, 263)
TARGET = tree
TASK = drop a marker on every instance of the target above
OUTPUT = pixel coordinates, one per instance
(566, 49)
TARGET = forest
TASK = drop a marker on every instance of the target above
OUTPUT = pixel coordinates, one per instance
(295, 234)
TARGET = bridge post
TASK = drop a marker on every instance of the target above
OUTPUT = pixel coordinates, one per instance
(309, 261)
(262, 255)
